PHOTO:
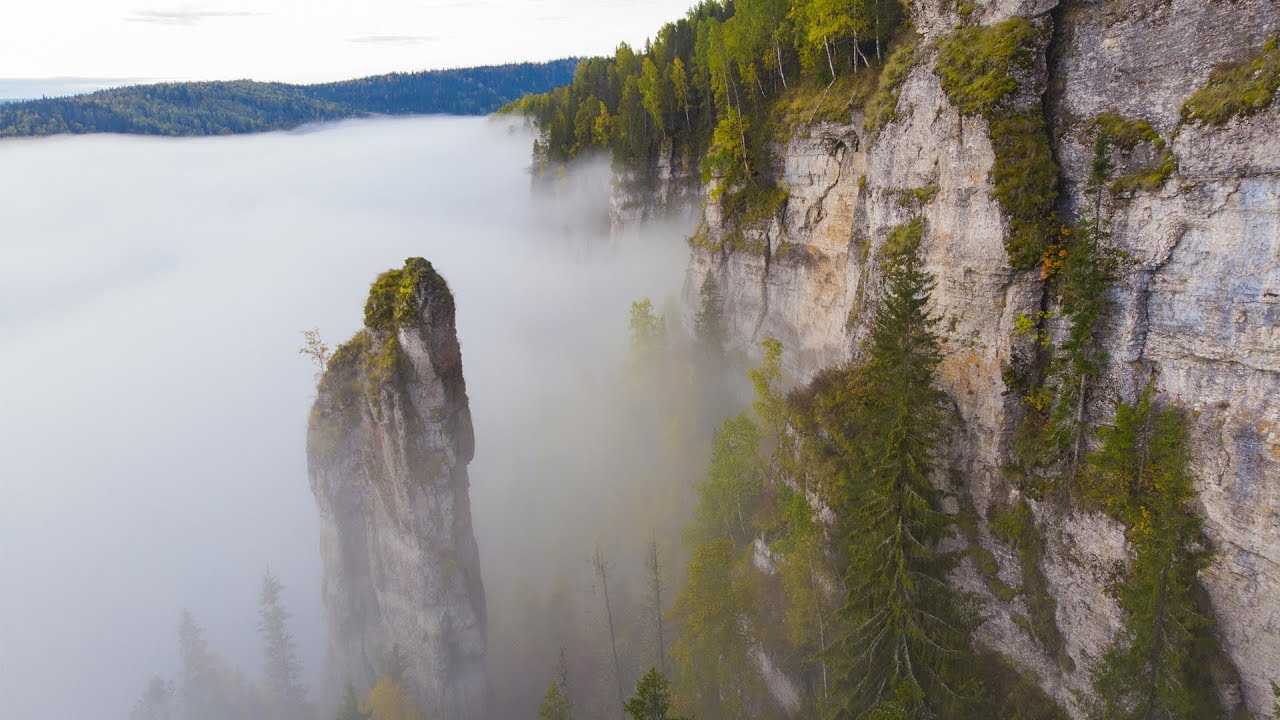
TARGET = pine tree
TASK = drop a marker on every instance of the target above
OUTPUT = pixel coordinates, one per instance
(156, 702)
(904, 631)
(708, 323)
(555, 704)
(199, 678)
(284, 691)
(1154, 670)
(652, 699)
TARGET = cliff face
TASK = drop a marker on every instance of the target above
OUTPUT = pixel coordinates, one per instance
(388, 445)
(1196, 310)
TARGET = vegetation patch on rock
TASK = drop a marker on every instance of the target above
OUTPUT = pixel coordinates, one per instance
(979, 68)
(1237, 89)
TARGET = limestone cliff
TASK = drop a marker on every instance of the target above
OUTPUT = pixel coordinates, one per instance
(1197, 309)
(388, 445)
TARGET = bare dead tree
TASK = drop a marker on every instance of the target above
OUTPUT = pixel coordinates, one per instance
(655, 589)
(602, 570)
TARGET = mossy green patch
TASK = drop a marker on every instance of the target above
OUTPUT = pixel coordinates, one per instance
(882, 107)
(393, 295)
(977, 64)
(979, 69)
(1128, 134)
(917, 196)
(1237, 89)
(1025, 176)
(1016, 526)
(1013, 694)
(903, 241)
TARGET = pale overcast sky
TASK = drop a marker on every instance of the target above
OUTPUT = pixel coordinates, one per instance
(306, 40)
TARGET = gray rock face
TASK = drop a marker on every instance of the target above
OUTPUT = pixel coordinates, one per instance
(388, 445)
(1197, 310)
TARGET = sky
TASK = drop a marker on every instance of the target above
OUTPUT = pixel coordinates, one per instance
(90, 43)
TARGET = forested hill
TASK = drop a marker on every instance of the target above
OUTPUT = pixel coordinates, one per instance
(243, 106)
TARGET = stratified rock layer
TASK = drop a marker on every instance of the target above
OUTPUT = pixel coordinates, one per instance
(388, 445)
(1197, 311)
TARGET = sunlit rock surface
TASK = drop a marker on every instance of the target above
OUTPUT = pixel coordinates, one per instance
(1197, 310)
(388, 445)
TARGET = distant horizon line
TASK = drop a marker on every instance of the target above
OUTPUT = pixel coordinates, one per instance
(114, 83)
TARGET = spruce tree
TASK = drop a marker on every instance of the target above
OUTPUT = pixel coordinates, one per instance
(156, 702)
(555, 704)
(652, 699)
(200, 695)
(285, 694)
(904, 632)
(708, 322)
(1154, 670)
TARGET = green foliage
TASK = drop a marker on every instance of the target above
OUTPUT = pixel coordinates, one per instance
(716, 677)
(979, 69)
(769, 405)
(393, 296)
(978, 65)
(285, 694)
(242, 106)
(555, 704)
(1083, 268)
(882, 108)
(652, 699)
(1237, 89)
(709, 327)
(728, 497)
(1013, 694)
(721, 84)
(1126, 134)
(1016, 526)
(648, 329)
(1025, 176)
(1139, 475)
(904, 630)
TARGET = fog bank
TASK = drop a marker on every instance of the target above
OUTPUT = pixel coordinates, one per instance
(152, 298)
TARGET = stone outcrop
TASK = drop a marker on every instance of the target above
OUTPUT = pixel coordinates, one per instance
(388, 445)
(1196, 311)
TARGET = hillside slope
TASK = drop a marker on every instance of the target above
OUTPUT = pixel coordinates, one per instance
(244, 106)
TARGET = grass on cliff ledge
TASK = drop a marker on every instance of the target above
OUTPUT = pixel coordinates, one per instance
(979, 69)
(1237, 89)
(1114, 130)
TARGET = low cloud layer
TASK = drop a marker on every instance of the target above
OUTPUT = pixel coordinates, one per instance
(185, 17)
(392, 39)
(154, 292)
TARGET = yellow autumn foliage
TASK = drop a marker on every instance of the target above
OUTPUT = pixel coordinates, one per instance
(388, 701)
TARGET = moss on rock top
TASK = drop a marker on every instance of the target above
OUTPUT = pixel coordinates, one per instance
(394, 294)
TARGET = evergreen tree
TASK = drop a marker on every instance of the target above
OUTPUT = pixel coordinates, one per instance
(715, 674)
(652, 699)
(708, 323)
(555, 704)
(156, 702)
(648, 330)
(199, 686)
(1154, 670)
(904, 632)
(285, 693)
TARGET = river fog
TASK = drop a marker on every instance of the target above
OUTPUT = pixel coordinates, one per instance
(153, 404)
